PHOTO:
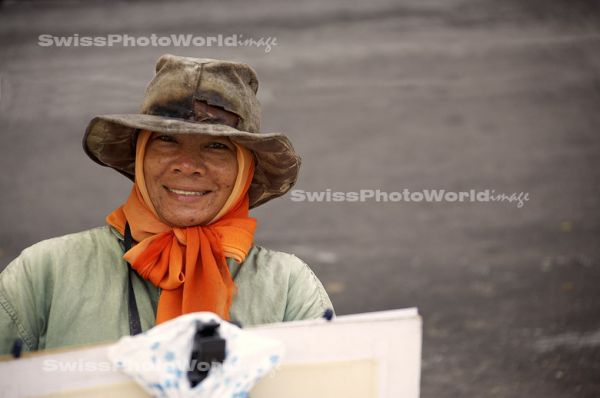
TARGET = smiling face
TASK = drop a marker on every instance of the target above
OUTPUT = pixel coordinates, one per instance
(188, 176)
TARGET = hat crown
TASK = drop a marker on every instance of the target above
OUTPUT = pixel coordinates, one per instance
(181, 81)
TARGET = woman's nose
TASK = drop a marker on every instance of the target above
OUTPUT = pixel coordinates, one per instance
(189, 163)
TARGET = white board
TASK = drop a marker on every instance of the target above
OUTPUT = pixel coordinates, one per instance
(371, 355)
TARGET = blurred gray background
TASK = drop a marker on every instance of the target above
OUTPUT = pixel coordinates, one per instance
(415, 94)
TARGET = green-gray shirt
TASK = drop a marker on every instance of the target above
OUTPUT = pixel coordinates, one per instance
(72, 290)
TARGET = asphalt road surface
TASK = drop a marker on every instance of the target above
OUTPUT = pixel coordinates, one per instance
(453, 95)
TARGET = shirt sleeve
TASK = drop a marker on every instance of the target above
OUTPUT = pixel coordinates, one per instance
(18, 307)
(307, 298)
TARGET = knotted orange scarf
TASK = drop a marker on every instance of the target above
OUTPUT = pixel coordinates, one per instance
(188, 263)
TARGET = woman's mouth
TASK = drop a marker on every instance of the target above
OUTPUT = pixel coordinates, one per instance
(187, 193)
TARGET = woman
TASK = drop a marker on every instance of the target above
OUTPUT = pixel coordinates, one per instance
(183, 240)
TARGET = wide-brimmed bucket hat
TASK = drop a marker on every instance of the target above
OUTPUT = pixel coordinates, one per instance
(173, 104)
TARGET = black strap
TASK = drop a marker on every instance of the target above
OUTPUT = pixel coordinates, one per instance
(135, 326)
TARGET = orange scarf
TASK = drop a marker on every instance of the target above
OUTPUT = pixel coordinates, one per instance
(188, 263)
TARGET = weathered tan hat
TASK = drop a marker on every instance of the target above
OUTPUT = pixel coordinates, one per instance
(175, 101)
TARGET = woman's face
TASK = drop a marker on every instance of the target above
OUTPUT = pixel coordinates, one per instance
(188, 176)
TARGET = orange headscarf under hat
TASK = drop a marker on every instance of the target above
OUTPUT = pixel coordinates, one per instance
(188, 263)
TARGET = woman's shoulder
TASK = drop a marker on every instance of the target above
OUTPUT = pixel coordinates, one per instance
(274, 259)
(88, 240)
(280, 265)
(63, 250)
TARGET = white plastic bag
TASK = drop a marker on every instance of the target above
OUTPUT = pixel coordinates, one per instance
(159, 359)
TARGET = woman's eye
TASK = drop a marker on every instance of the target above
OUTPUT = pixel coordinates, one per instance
(217, 145)
(166, 138)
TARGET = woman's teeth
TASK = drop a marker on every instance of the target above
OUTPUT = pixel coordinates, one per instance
(187, 193)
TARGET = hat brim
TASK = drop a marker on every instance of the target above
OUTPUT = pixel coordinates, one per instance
(110, 141)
